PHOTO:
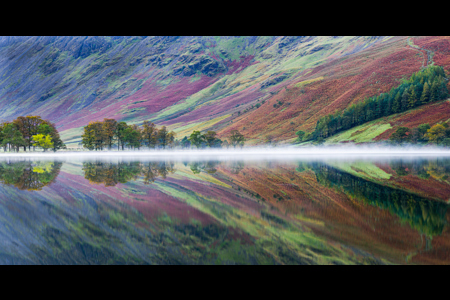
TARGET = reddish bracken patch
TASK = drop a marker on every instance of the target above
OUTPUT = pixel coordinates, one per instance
(155, 98)
(237, 66)
(440, 45)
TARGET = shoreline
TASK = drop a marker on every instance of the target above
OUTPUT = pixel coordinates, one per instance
(245, 154)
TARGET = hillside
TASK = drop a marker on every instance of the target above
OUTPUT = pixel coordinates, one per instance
(262, 86)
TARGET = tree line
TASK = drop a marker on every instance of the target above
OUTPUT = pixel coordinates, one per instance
(30, 132)
(109, 134)
(209, 139)
(425, 86)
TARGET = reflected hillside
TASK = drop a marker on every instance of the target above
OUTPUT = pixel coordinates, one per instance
(225, 211)
(28, 175)
(425, 215)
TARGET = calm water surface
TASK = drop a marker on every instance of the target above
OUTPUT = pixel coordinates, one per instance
(138, 211)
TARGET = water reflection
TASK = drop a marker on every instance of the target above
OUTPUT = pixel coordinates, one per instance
(27, 175)
(201, 212)
(110, 174)
(426, 216)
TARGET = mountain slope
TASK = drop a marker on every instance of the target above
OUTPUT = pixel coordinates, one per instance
(201, 82)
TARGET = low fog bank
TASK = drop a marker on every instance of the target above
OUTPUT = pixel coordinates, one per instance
(254, 153)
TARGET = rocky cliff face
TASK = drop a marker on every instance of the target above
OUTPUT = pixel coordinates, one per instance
(181, 82)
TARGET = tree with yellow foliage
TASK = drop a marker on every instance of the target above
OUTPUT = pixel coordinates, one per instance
(43, 141)
(436, 133)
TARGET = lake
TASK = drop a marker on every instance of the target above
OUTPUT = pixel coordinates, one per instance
(206, 209)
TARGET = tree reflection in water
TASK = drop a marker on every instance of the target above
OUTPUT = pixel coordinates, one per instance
(28, 175)
(438, 169)
(110, 174)
(207, 166)
(425, 215)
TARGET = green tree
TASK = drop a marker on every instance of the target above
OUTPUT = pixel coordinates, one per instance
(412, 98)
(44, 129)
(425, 94)
(396, 106)
(88, 138)
(422, 130)
(185, 143)
(132, 137)
(162, 137)
(196, 139)
(301, 135)
(18, 140)
(405, 99)
(400, 136)
(121, 134)
(12, 137)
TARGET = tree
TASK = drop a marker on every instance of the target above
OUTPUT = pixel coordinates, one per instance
(418, 133)
(149, 133)
(412, 98)
(93, 136)
(28, 126)
(436, 133)
(88, 138)
(236, 138)
(43, 141)
(217, 143)
(162, 137)
(405, 99)
(301, 135)
(446, 142)
(196, 138)
(425, 94)
(12, 137)
(18, 140)
(109, 128)
(225, 144)
(44, 129)
(50, 129)
(132, 136)
(210, 138)
(396, 106)
(171, 139)
(121, 134)
(185, 143)
(434, 91)
(7, 135)
(400, 136)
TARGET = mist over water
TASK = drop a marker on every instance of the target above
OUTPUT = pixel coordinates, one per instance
(248, 154)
